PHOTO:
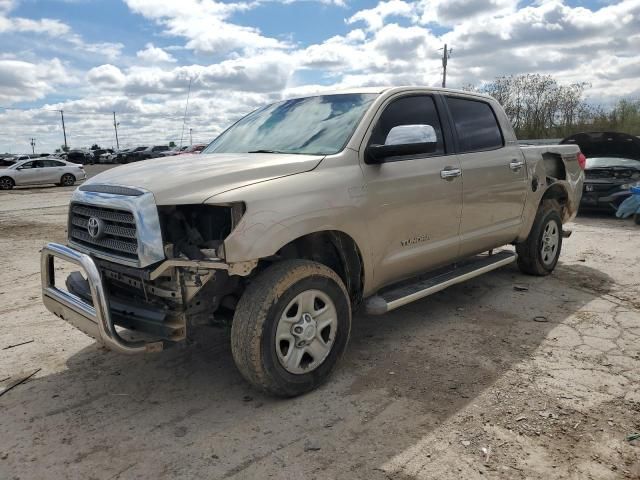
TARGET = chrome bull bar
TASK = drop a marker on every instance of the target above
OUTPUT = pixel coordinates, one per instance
(94, 320)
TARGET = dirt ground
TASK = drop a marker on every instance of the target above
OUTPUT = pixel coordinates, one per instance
(461, 385)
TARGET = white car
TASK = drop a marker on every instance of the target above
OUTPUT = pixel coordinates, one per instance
(42, 170)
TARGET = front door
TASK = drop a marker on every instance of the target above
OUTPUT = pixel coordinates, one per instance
(494, 177)
(28, 173)
(413, 213)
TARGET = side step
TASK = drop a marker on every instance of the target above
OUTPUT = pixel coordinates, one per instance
(425, 285)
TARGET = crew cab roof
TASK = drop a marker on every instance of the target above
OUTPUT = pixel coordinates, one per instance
(383, 89)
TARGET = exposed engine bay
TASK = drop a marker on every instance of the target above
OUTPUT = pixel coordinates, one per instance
(197, 231)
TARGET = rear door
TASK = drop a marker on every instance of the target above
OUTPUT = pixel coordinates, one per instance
(413, 214)
(54, 171)
(494, 176)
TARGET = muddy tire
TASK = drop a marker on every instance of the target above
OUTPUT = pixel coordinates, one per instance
(290, 328)
(6, 183)
(539, 253)
(67, 180)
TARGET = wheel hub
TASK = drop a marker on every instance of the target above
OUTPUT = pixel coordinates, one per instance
(304, 330)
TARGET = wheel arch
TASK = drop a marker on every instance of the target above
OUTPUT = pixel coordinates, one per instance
(556, 195)
(13, 180)
(334, 249)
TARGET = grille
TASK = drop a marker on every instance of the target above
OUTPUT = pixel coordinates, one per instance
(119, 235)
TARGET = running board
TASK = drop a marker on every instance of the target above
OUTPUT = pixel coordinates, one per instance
(412, 290)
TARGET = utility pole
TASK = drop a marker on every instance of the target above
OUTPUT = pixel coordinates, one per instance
(33, 146)
(64, 131)
(190, 136)
(445, 57)
(115, 126)
(186, 107)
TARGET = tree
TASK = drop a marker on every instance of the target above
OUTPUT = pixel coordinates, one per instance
(95, 146)
(172, 144)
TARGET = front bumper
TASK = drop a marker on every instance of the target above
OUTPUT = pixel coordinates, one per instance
(609, 200)
(93, 319)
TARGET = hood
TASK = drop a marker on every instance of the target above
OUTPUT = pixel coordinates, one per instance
(606, 144)
(185, 179)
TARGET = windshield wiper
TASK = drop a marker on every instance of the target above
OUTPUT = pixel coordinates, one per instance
(265, 151)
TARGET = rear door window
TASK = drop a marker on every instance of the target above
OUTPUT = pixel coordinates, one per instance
(476, 125)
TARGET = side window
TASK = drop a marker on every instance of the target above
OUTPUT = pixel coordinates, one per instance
(39, 164)
(414, 110)
(27, 165)
(476, 125)
(52, 163)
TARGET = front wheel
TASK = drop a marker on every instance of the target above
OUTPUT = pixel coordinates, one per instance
(67, 180)
(6, 183)
(291, 327)
(539, 253)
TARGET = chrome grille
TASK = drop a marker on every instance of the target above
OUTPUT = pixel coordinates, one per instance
(119, 237)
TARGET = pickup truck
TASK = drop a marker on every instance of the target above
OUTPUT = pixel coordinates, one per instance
(302, 212)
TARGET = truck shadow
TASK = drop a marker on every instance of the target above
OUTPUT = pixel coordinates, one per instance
(187, 412)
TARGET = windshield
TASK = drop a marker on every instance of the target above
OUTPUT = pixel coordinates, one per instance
(319, 125)
(606, 162)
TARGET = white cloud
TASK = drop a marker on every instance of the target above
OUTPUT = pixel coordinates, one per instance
(151, 54)
(25, 81)
(456, 12)
(55, 29)
(106, 76)
(205, 25)
(375, 17)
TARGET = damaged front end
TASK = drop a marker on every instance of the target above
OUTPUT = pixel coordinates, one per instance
(155, 271)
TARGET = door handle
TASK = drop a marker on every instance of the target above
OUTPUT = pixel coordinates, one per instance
(449, 173)
(516, 165)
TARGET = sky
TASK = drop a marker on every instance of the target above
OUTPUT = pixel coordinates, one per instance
(90, 58)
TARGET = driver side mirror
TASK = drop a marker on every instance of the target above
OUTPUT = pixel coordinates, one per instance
(404, 140)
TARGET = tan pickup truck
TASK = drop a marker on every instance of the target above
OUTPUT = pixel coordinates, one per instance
(302, 212)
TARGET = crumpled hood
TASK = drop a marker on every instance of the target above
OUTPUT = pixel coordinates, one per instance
(184, 179)
(606, 144)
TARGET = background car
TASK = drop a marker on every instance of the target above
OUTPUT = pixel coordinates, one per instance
(80, 157)
(7, 161)
(154, 151)
(41, 171)
(133, 155)
(197, 148)
(612, 168)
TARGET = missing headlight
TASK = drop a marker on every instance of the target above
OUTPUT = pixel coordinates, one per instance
(198, 231)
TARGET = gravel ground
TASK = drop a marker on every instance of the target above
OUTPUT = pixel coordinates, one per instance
(463, 384)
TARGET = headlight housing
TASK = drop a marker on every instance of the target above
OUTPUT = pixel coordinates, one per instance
(628, 186)
(197, 232)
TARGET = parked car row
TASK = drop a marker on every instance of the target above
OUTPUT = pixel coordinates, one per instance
(146, 152)
(108, 155)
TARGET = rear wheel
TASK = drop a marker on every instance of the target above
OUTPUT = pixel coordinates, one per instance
(67, 180)
(291, 327)
(539, 253)
(6, 183)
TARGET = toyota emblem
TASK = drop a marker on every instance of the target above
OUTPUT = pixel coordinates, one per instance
(95, 228)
